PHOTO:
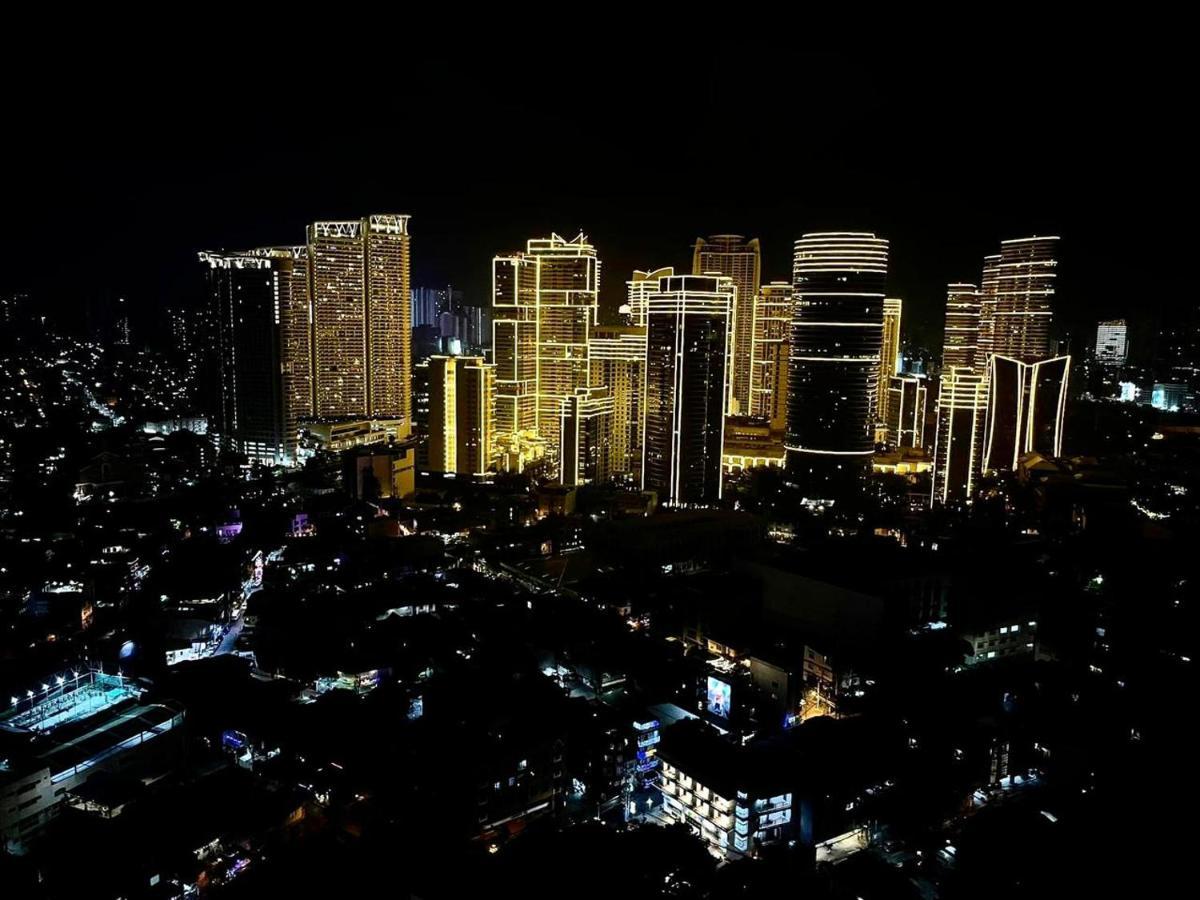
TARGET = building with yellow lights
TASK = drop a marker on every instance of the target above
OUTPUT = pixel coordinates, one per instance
(889, 354)
(617, 361)
(906, 411)
(462, 399)
(639, 288)
(545, 302)
(768, 377)
(739, 260)
(958, 442)
(587, 437)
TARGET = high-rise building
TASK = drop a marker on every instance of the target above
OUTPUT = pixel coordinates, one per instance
(617, 360)
(426, 306)
(461, 403)
(639, 288)
(736, 258)
(243, 296)
(958, 441)
(987, 310)
(1026, 406)
(772, 331)
(587, 437)
(889, 354)
(361, 315)
(833, 365)
(546, 300)
(1112, 343)
(961, 345)
(1021, 296)
(906, 410)
(688, 344)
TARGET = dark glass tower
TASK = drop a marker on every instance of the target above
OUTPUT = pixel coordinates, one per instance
(688, 346)
(833, 369)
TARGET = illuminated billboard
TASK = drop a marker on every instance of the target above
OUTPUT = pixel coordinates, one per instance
(718, 697)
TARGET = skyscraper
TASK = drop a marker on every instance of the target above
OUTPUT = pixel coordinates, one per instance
(587, 437)
(958, 441)
(1022, 298)
(889, 354)
(768, 379)
(1112, 343)
(248, 415)
(739, 260)
(961, 344)
(461, 401)
(617, 360)
(361, 318)
(688, 345)
(545, 302)
(987, 310)
(639, 288)
(833, 366)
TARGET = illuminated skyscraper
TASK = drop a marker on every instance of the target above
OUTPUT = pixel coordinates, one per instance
(640, 287)
(1112, 343)
(906, 410)
(587, 437)
(889, 354)
(837, 332)
(958, 442)
(243, 295)
(772, 328)
(961, 345)
(617, 360)
(462, 398)
(545, 306)
(688, 345)
(361, 318)
(738, 259)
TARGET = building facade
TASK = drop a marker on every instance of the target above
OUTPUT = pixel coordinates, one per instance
(906, 411)
(617, 361)
(958, 441)
(587, 437)
(1112, 343)
(889, 354)
(961, 344)
(639, 288)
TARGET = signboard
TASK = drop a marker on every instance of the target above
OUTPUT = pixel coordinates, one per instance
(718, 697)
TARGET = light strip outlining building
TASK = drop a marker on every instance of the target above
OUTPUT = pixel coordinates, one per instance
(906, 411)
(688, 345)
(740, 260)
(1026, 408)
(961, 344)
(889, 354)
(958, 441)
(641, 286)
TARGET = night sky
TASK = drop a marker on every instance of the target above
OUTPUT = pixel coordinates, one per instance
(117, 176)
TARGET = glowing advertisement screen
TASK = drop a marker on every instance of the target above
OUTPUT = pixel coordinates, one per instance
(718, 697)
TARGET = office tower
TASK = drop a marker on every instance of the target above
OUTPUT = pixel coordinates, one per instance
(247, 414)
(987, 310)
(906, 410)
(295, 339)
(736, 258)
(462, 397)
(587, 437)
(1026, 406)
(688, 344)
(361, 315)
(545, 303)
(961, 345)
(1112, 343)
(958, 439)
(833, 366)
(768, 378)
(889, 355)
(617, 360)
(639, 288)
